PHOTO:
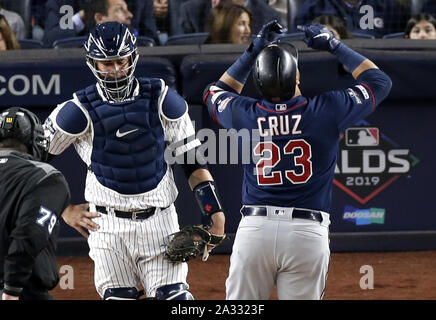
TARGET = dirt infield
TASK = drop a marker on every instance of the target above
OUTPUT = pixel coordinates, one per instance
(397, 275)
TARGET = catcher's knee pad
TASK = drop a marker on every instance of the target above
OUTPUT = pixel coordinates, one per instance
(175, 291)
(121, 294)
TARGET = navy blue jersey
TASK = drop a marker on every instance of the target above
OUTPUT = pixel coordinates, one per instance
(293, 159)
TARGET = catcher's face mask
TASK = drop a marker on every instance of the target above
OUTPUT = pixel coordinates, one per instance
(112, 57)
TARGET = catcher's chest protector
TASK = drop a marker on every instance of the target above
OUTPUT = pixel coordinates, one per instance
(128, 142)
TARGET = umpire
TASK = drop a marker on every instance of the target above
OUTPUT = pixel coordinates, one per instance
(32, 197)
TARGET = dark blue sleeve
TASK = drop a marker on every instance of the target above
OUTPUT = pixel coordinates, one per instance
(346, 107)
(378, 82)
(225, 107)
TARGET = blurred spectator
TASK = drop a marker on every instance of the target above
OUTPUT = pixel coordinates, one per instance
(88, 13)
(280, 6)
(38, 19)
(429, 7)
(15, 22)
(193, 13)
(335, 24)
(389, 16)
(229, 24)
(8, 41)
(100, 11)
(157, 19)
(52, 29)
(421, 26)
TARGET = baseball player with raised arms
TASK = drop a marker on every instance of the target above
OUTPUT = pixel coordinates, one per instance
(283, 237)
(121, 127)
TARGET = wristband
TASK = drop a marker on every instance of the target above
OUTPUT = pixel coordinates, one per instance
(207, 198)
(348, 57)
(240, 70)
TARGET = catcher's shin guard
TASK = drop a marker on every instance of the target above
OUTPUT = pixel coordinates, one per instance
(175, 291)
(121, 294)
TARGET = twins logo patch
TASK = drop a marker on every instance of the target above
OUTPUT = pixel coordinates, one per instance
(222, 104)
(354, 95)
(3, 160)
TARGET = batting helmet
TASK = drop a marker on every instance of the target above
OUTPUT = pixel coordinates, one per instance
(275, 71)
(24, 126)
(112, 41)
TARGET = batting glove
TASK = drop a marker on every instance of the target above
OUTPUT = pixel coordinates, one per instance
(267, 34)
(319, 37)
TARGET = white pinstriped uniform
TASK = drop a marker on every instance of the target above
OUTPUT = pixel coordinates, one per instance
(136, 246)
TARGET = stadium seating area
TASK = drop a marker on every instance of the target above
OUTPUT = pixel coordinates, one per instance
(25, 9)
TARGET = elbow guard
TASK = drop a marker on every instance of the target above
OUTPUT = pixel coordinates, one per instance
(207, 198)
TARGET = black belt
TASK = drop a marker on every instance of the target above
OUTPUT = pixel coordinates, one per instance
(134, 215)
(296, 213)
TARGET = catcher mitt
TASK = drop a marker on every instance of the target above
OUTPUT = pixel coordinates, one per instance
(190, 242)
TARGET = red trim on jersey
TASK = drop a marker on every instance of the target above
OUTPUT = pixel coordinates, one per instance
(372, 94)
(207, 95)
(275, 111)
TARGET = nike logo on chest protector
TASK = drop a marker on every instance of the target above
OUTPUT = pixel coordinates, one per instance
(122, 134)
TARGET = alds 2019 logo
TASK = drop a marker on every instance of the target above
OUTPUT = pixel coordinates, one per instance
(369, 161)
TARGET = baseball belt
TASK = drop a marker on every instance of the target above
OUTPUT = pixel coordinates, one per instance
(134, 215)
(296, 213)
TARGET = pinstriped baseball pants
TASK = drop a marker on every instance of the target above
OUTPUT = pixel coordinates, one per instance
(128, 252)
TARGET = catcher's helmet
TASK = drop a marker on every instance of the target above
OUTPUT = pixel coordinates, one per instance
(275, 71)
(112, 41)
(24, 126)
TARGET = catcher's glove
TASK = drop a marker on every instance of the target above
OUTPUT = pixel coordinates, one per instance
(190, 242)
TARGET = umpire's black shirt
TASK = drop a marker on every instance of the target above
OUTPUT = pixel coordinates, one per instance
(33, 196)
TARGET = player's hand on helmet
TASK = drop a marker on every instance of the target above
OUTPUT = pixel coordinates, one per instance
(319, 37)
(78, 217)
(266, 35)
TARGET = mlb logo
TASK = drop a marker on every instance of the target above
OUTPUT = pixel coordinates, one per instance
(281, 107)
(279, 212)
(362, 137)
